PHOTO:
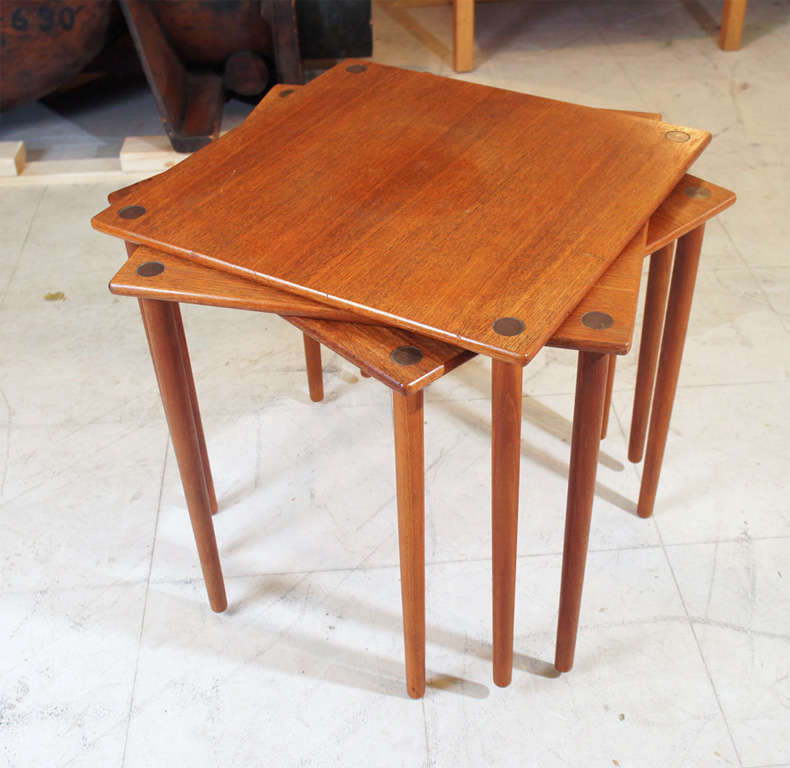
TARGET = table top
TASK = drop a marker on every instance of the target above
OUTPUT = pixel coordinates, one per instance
(470, 214)
(403, 360)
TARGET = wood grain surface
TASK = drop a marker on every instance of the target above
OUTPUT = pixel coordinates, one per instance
(427, 203)
(691, 203)
(603, 321)
(370, 346)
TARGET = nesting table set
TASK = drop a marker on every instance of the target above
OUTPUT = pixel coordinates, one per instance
(409, 222)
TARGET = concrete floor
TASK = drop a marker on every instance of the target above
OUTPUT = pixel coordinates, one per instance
(109, 653)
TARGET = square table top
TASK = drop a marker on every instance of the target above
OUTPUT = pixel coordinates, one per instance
(467, 213)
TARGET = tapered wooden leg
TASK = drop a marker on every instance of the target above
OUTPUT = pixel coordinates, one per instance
(505, 464)
(463, 35)
(588, 411)
(681, 293)
(732, 19)
(130, 249)
(607, 401)
(162, 324)
(410, 480)
(190, 380)
(201, 438)
(315, 374)
(652, 325)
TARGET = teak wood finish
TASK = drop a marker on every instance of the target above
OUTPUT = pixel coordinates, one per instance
(410, 481)
(681, 293)
(652, 326)
(162, 324)
(360, 343)
(418, 200)
(506, 428)
(692, 203)
(163, 279)
(616, 291)
(591, 374)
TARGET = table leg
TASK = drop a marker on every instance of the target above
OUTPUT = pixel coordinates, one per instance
(212, 496)
(130, 249)
(588, 409)
(681, 293)
(607, 400)
(463, 35)
(410, 481)
(201, 438)
(315, 374)
(162, 322)
(505, 465)
(732, 18)
(652, 325)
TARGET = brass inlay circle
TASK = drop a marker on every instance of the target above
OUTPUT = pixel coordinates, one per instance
(406, 355)
(150, 269)
(698, 192)
(131, 211)
(355, 69)
(597, 320)
(286, 92)
(508, 326)
(677, 136)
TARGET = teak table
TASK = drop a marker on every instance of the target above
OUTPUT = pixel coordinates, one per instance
(472, 215)
(407, 362)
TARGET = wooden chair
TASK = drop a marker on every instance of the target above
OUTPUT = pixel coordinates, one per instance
(732, 20)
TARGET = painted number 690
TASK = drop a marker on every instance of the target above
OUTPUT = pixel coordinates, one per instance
(46, 18)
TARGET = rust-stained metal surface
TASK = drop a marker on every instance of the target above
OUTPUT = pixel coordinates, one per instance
(44, 43)
(207, 32)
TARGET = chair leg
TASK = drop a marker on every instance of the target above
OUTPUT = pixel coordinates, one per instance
(505, 465)
(607, 400)
(681, 293)
(410, 481)
(463, 35)
(732, 19)
(588, 411)
(162, 323)
(652, 325)
(315, 374)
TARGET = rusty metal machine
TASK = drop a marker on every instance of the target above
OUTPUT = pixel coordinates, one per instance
(192, 51)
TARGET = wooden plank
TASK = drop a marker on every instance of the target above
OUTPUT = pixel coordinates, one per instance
(148, 154)
(420, 201)
(12, 157)
(83, 171)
